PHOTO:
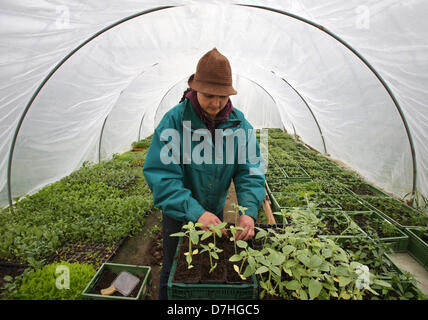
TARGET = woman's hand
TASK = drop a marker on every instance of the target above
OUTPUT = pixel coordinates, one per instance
(247, 223)
(208, 218)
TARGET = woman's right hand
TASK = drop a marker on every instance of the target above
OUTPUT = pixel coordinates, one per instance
(208, 218)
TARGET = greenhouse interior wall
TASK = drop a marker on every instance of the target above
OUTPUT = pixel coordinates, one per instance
(81, 81)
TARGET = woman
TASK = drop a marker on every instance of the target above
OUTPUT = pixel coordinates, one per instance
(190, 179)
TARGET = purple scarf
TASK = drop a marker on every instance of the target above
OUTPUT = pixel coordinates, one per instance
(211, 124)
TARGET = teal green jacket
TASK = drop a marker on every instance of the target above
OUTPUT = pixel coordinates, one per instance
(185, 188)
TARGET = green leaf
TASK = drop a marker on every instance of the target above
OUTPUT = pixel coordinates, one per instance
(382, 283)
(194, 237)
(262, 269)
(178, 234)
(344, 281)
(288, 249)
(327, 253)
(303, 295)
(304, 259)
(235, 258)
(206, 235)
(314, 288)
(242, 244)
(315, 262)
(292, 285)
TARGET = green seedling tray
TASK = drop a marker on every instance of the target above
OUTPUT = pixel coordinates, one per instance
(376, 191)
(117, 268)
(338, 199)
(334, 206)
(417, 247)
(404, 207)
(342, 238)
(208, 291)
(397, 243)
(304, 177)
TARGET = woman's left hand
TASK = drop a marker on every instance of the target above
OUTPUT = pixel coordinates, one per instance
(247, 223)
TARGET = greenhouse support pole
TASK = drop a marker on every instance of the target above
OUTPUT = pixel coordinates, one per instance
(372, 69)
(141, 124)
(101, 138)
(46, 79)
(310, 110)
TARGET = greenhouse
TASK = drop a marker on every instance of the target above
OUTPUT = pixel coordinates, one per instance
(336, 92)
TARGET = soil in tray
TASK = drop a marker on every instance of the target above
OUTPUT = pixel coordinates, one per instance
(106, 279)
(223, 273)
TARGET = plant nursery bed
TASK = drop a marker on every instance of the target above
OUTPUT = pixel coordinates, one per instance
(83, 252)
(198, 283)
(350, 203)
(323, 201)
(376, 226)
(365, 189)
(108, 273)
(9, 270)
(396, 211)
(340, 226)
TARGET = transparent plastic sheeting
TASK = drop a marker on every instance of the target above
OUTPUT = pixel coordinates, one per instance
(128, 77)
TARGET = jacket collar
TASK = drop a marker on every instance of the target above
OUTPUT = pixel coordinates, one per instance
(189, 114)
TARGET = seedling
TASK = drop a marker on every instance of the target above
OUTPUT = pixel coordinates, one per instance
(233, 230)
(193, 235)
(213, 252)
(213, 231)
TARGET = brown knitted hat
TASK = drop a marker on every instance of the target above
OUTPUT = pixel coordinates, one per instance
(213, 75)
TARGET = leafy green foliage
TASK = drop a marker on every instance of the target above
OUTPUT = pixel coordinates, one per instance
(98, 203)
(42, 284)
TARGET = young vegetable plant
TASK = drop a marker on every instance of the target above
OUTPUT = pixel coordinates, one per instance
(243, 256)
(193, 235)
(214, 230)
(234, 229)
(213, 252)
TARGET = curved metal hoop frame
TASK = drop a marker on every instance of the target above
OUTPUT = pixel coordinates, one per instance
(372, 69)
(115, 24)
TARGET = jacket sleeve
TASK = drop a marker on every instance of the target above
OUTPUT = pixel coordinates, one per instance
(166, 180)
(249, 177)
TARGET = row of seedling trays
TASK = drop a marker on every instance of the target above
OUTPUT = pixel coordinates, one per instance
(405, 228)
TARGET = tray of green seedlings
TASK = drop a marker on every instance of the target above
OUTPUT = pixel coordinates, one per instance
(273, 170)
(285, 185)
(397, 211)
(339, 226)
(291, 167)
(350, 203)
(321, 201)
(380, 229)
(357, 186)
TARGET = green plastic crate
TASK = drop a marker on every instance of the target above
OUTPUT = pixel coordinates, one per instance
(398, 243)
(417, 247)
(359, 233)
(117, 268)
(403, 207)
(377, 192)
(208, 291)
(277, 207)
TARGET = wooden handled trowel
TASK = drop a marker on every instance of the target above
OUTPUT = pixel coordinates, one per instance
(124, 283)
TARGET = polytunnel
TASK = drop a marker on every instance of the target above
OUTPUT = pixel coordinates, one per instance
(82, 80)
(340, 87)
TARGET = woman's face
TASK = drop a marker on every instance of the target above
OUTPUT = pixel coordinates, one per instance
(212, 104)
